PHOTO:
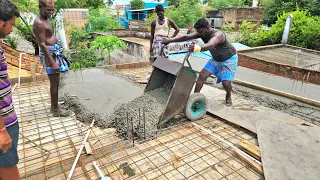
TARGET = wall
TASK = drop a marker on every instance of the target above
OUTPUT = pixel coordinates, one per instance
(13, 56)
(125, 33)
(288, 71)
(74, 18)
(237, 15)
(134, 53)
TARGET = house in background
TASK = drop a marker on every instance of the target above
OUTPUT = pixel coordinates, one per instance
(136, 18)
(235, 16)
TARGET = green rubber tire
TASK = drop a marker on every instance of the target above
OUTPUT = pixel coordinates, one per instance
(196, 107)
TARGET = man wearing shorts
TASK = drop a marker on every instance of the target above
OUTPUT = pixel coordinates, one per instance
(9, 127)
(51, 58)
(223, 63)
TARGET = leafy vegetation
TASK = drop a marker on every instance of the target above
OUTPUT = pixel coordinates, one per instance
(227, 3)
(304, 31)
(107, 44)
(275, 8)
(31, 6)
(83, 58)
(137, 4)
(188, 12)
(79, 38)
(12, 41)
(101, 20)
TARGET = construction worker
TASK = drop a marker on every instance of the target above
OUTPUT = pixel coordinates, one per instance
(9, 127)
(159, 31)
(52, 60)
(223, 63)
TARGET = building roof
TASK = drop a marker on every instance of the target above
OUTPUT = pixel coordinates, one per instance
(146, 9)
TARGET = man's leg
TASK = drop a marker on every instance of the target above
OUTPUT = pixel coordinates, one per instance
(201, 79)
(228, 87)
(11, 173)
(54, 88)
(54, 91)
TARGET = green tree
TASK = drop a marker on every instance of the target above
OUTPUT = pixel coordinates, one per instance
(187, 13)
(274, 8)
(79, 38)
(227, 3)
(174, 3)
(107, 44)
(304, 31)
(101, 20)
(93, 3)
(137, 4)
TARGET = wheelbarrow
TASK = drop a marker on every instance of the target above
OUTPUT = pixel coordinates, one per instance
(194, 106)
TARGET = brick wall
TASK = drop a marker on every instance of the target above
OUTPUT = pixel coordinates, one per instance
(73, 18)
(237, 15)
(13, 56)
(297, 73)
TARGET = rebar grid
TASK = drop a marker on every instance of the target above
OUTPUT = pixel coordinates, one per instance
(202, 156)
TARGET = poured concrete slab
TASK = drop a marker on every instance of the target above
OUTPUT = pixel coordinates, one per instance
(286, 55)
(286, 85)
(99, 89)
(243, 113)
(289, 151)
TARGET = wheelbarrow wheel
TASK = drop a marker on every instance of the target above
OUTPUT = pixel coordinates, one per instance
(196, 106)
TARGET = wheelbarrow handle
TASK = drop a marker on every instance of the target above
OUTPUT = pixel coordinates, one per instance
(186, 59)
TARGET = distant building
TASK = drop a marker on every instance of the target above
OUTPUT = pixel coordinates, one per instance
(235, 16)
(137, 17)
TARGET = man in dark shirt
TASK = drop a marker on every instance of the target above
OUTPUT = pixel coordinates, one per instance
(224, 56)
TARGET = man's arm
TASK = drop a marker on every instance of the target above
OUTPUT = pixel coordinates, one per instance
(214, 41)
(5, 139)
(40, 33)
(153, 26)
(172, 24)
(186, 37)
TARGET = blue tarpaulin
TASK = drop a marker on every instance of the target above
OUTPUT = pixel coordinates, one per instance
(206, 54)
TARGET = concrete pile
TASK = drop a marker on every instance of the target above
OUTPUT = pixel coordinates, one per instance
(151, 105)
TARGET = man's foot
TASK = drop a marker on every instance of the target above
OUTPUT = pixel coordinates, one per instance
(60, 113)
(229, 103)
(228, 100)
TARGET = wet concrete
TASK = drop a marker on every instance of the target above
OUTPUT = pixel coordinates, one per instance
(96, 91)
(114, 100)
(290, 86)
(285, 55)
(141, 115)
(294, 108)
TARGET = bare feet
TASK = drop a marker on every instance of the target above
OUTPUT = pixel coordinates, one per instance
(60, 113)
(228, 100)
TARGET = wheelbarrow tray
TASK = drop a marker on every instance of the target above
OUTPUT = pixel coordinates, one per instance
(184, 79)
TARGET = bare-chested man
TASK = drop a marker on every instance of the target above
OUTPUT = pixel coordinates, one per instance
(50, 58)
